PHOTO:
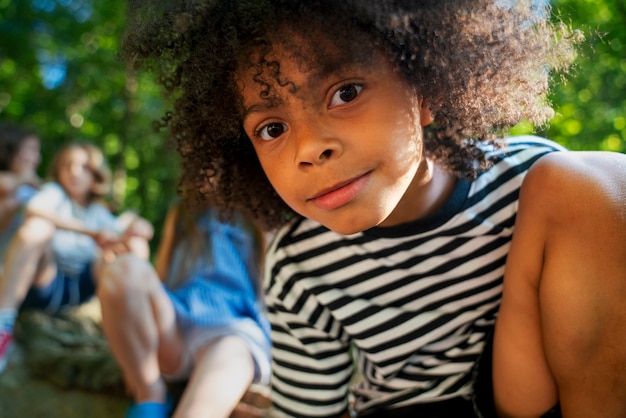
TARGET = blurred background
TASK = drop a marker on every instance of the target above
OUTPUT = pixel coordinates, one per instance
(60, 74)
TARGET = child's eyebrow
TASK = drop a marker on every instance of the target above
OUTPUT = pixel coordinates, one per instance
(258, 108)
(255, 108)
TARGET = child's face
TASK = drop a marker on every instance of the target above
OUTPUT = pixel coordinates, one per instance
(75, 175)
(343, 150)
(28, 157)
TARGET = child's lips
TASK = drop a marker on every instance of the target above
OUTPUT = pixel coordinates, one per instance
(340, 194)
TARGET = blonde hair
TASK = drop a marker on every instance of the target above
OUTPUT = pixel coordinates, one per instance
(97, 165)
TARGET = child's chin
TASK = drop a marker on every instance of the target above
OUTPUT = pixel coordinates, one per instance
(347, 228)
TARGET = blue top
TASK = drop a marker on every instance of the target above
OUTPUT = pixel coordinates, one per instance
(223, 286)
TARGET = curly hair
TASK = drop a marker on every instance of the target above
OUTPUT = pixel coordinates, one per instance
(482, 65)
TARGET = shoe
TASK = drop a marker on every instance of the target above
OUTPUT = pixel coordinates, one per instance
(150, 409)
(6, 341)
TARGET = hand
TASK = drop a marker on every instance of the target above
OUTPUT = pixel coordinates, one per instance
(139, 227)
(106, 238)
(110, 243)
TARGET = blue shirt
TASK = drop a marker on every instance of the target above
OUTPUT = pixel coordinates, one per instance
(222, 288)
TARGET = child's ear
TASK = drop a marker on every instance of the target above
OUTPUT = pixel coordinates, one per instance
(426, 116)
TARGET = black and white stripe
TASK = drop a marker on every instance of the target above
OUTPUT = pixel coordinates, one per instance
(410, 306)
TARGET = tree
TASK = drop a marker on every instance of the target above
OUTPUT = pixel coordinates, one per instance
(60, 73)
(591, 105)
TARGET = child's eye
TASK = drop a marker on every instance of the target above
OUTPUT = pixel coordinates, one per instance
(345, 94)
(271, 131)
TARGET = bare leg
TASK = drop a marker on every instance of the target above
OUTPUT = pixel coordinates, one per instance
(139, 322)
(561, 330)
(223, 372)
(27, 262)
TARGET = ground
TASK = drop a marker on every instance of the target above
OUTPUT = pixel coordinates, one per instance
(66, 372)
(22, 395)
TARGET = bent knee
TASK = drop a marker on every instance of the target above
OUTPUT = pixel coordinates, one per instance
(125, 277)
(35, 231)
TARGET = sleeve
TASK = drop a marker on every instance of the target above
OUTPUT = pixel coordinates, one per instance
(49, 198)
(311, 364)
(102, 218)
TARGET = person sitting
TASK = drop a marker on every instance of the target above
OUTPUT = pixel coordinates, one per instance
(19, 159)
(197, 314)
(48, 264)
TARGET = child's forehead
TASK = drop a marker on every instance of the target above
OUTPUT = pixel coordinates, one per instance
(298, 62)
(74, 153)
(284, 76)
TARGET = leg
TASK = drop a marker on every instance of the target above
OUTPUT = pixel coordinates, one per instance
(28, 262)
(223, 372)
(139, 322)
(561, 331)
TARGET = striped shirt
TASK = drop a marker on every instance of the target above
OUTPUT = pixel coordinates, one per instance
(410, 306)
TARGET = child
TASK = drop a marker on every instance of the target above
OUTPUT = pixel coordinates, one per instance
(19, 159)
(372, 126)
(48, 264)
(204, 320)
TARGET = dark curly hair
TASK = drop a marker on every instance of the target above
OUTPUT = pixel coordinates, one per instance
(482, 65)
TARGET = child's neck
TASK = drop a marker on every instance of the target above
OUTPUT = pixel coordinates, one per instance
(426, 196)
(80, 200)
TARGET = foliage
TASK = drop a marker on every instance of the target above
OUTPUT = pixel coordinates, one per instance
(60, 73)
(591, 106)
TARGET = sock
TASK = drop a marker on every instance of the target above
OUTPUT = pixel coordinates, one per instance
(7, 319)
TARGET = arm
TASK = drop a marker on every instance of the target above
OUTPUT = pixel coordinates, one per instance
(559, 333)
(135, 238)
(136, 226)
(53, 205)
(164, 252)
(61, 222)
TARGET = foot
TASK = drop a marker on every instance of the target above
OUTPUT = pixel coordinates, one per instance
(150, 409)
(6, 340)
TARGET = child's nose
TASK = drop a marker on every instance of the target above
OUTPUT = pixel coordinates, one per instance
(316, 144)
(75, 170)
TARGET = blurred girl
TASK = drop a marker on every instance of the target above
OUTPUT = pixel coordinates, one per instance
(49, 261)
(19, 159)
(197, 315)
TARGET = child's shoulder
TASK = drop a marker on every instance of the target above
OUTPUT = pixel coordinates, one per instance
(579, 180)
(52, 185)
(51, 190)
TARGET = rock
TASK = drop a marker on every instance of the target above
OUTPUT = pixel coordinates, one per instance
(24, 396)
(61, 367)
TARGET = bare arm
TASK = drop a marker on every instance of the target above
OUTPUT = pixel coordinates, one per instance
(559, 333)
(72, 224)
(164, 252)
